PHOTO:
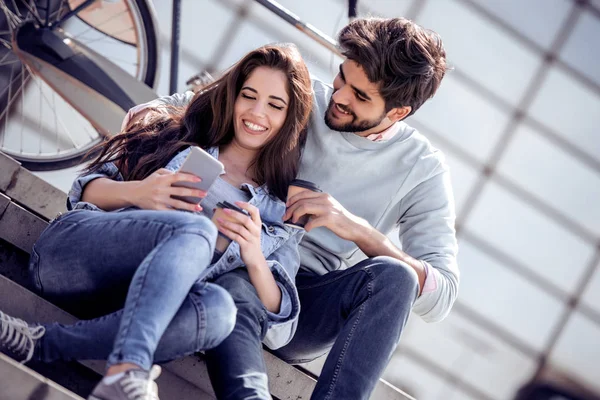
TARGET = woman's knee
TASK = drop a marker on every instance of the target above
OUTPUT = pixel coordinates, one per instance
(193, 223)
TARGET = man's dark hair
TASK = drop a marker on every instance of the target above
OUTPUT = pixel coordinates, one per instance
(406, 60)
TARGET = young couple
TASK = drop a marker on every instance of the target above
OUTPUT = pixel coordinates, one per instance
(343, 287)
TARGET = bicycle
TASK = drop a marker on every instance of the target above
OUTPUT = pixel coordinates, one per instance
(62, 90)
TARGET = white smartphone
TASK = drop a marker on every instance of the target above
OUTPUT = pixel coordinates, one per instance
(203, 165)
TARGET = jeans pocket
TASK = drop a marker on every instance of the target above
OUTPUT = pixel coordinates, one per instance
(34, 271)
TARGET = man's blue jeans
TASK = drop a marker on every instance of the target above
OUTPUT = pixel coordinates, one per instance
(356, 314)
(92, 262)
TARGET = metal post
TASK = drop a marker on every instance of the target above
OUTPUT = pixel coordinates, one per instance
(175, 31)
(308, 29)
(352, 9)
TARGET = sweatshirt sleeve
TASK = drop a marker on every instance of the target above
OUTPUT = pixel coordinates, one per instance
(427, 233)
(175, 100)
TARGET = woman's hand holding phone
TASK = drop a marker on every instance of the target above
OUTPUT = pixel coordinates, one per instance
(246, 231)
(156, 191)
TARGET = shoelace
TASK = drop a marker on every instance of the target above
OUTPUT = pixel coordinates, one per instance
(141, 388)
(19, 336)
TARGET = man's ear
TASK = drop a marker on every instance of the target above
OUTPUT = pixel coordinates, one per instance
(398, 113)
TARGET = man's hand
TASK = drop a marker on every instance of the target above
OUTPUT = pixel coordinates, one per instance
(326, 211)
(155, 192)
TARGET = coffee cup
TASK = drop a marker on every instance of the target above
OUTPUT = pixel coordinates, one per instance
(295, 187)
(222, 240)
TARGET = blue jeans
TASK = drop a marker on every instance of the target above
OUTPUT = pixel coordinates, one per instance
(151, 260)
(356, 314)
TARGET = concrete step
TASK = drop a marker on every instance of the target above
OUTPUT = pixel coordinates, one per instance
(19, 382)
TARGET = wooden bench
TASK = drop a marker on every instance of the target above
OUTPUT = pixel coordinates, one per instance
(27, 203)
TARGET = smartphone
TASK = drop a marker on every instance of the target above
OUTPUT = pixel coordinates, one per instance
(203, 165)
(226, 204)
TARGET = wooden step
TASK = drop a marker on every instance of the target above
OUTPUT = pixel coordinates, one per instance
(19, 382)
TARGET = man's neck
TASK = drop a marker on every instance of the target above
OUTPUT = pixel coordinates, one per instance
(383, 126)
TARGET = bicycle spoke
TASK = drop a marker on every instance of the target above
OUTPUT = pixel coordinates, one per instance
(82, 6)
(6, 44)
(106, 21)
(5, 112)
(16, 8)
(34, 11)
(8, 63)
(4, 58)
(22, 107)
(12, 18)
(10, 83)
(55, 123)
(104, 37)
(59, 118)
(40, 127)
(63, 6)
(7, 107)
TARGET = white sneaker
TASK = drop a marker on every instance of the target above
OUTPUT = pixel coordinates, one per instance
(18, 338)
(135, 384)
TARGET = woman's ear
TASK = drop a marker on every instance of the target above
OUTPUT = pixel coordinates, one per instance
(398, 113)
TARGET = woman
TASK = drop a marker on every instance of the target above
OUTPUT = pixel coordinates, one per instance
(252, 120)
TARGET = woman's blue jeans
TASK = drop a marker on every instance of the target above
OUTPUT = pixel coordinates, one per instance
(91, 262)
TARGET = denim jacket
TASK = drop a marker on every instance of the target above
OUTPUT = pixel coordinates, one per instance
(279, 244)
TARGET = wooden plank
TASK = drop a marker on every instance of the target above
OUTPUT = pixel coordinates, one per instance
(20, 227)
(36, 194)
(21, 383)
(8, 169)
(4, 202)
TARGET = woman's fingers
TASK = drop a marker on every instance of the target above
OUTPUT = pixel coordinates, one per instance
(183, 205)
(186, 192)
(242, 219)
(183, 177)
(252, 210)
(233, 230)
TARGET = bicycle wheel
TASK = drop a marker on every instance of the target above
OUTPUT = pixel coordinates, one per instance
(37, 126)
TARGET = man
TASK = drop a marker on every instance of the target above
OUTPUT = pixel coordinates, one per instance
(356, 287)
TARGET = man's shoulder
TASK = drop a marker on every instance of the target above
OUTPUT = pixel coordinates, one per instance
(322, 92)
(425, 155)
(177, 99)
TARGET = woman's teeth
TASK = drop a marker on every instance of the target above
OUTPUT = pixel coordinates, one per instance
(255, 127)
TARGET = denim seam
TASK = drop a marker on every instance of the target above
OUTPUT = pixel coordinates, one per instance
(338, 365)
(36, 277)
(201, 325)
(122, 336)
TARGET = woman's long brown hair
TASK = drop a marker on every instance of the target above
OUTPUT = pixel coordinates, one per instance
(207, 121)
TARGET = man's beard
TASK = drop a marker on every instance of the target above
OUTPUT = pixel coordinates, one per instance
(353, 126)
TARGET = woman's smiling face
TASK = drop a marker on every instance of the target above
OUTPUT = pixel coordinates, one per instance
(260, 108)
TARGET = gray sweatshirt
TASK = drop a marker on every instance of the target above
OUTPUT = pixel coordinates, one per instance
(399, 183)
